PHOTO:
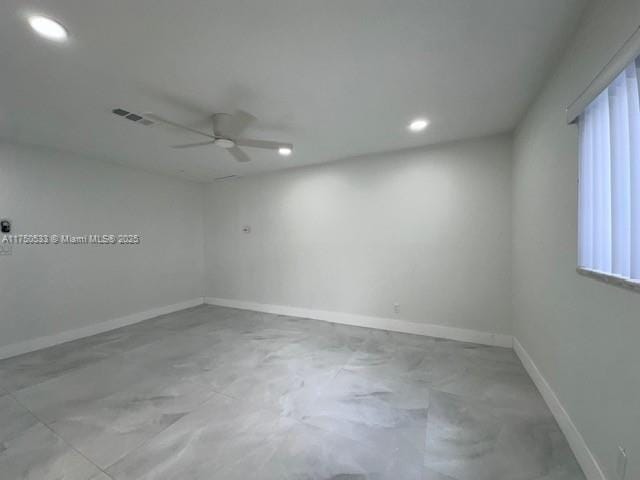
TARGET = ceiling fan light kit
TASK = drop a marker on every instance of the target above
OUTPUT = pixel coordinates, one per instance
(224, 142)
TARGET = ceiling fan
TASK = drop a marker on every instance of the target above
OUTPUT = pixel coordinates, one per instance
(225, 133)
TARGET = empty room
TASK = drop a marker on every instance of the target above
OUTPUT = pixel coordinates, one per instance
(320, 240)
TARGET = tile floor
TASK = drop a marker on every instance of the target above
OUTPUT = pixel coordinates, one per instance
(218, 393)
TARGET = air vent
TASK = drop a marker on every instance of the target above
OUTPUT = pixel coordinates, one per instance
(134, 117)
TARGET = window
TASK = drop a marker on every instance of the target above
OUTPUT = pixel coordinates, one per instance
(609, 188)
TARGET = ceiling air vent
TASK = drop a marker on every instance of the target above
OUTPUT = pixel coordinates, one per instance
(134, 117)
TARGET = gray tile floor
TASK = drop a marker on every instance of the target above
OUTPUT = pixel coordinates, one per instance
(218, 393)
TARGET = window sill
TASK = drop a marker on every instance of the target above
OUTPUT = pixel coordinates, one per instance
(610, 279)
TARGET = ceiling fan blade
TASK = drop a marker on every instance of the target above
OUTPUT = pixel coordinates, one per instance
(189, 145)
(238, 154)
(158, 118)
(246, 142)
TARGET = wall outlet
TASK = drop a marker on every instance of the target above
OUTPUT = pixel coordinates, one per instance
(621, 465)
(396, 308)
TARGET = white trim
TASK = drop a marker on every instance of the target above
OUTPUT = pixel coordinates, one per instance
(610, 278)
(585, 458)
(43, 342)
(391, 324)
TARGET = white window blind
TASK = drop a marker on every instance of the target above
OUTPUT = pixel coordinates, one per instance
(609, 193)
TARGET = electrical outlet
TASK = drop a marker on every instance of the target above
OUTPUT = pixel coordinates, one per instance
(396, 308)
(621, 466)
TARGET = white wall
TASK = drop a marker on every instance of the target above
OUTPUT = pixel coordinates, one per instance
(45, 290)
(582, 334)
(428, 229)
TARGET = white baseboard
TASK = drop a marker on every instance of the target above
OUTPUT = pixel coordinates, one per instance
(51, 340)
(380, 323)
(585, 458)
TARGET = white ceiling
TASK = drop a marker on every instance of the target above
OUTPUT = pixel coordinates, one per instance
(336, 78)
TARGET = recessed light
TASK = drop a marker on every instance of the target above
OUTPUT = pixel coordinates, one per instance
(285, 151)
(418, 125)
(48, 28)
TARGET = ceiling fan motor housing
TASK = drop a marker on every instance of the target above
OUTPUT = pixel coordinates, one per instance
(223, 125)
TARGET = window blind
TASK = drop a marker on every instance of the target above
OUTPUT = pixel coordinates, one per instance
(609, 184)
